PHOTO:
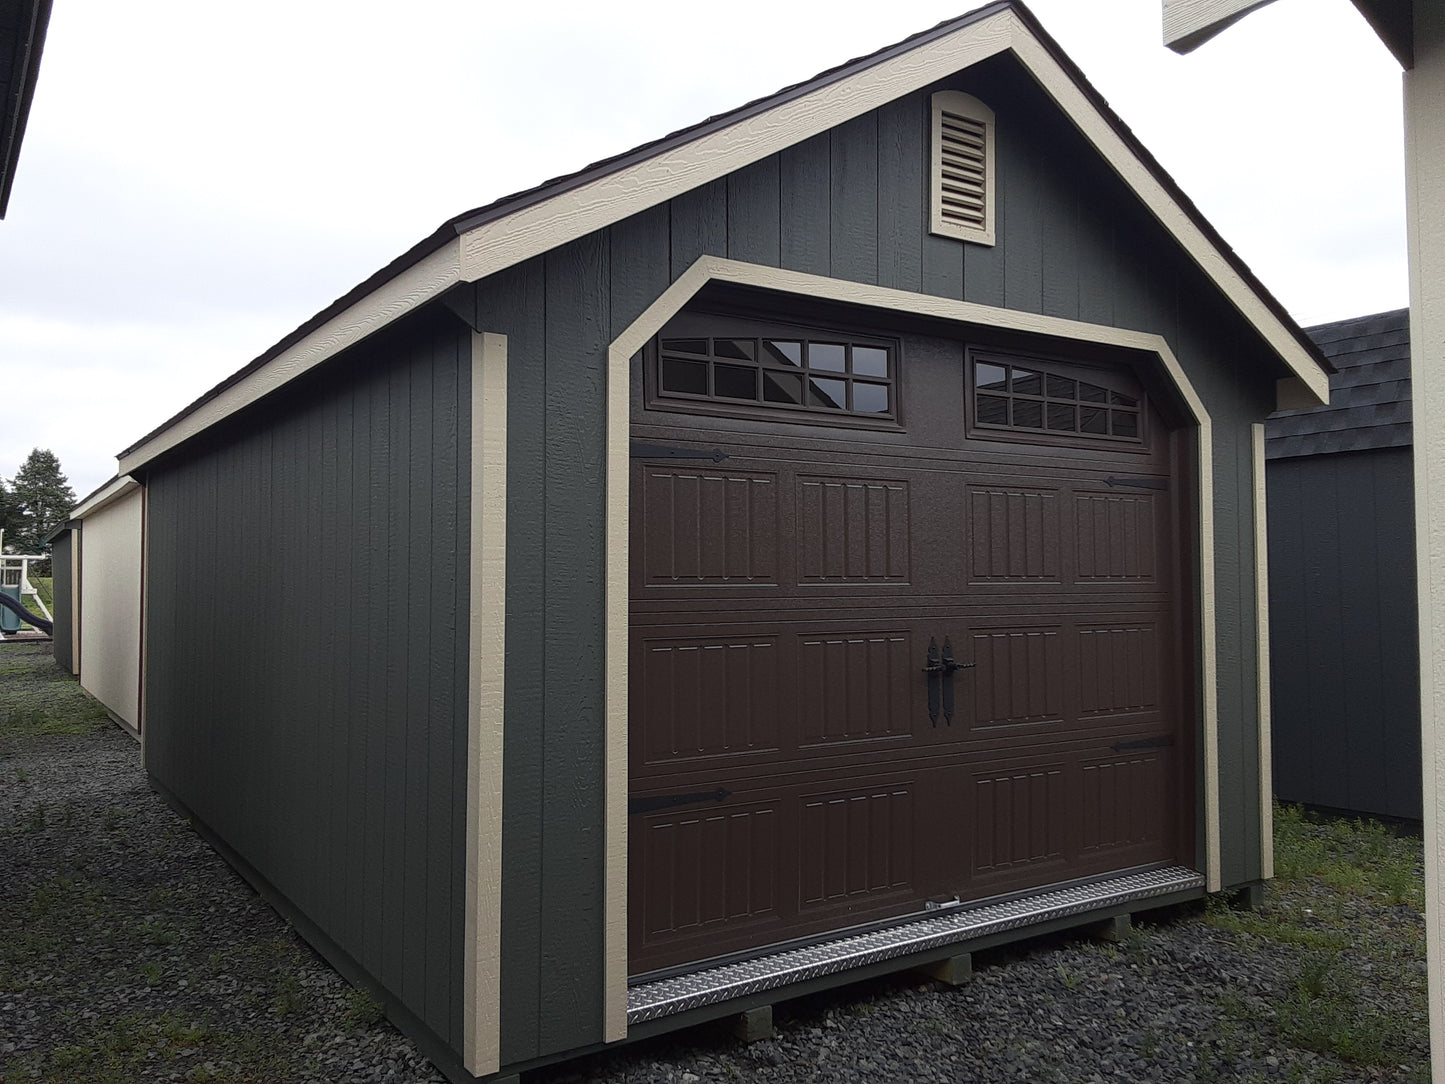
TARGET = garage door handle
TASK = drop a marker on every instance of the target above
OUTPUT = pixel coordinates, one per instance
(939, 669)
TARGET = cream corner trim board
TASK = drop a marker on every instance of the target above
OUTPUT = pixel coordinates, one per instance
(633, 338)
(1261, 625)
(481, 1009)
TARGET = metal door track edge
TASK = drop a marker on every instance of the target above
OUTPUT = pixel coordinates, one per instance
(681, 993)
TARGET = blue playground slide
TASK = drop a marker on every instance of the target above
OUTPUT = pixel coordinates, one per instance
(33, 619)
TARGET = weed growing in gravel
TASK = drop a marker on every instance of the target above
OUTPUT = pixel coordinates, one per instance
(1328, 872)
(362, 1010)
(288, 998)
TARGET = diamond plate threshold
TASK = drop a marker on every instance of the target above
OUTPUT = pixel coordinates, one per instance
(663, 997)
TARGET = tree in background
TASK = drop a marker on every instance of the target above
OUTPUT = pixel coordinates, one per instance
(7, 510)
(40, 499)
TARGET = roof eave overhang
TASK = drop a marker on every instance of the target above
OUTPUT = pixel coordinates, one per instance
(112, 491)
(486, 242)
(15, 111)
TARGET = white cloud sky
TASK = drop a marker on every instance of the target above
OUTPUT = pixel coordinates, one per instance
(199, 179)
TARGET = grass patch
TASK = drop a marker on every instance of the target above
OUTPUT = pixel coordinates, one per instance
(1331, 874)
(37, 697)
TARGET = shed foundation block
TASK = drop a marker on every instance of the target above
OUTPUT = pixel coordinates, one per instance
(1249, 898)
(754, 1025)
(953, 971)
(1113, 929)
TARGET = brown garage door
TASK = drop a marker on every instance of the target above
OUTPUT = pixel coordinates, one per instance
(905, 629)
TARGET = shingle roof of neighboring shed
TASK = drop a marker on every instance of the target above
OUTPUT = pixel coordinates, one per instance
(1369, 392)
(483, 241)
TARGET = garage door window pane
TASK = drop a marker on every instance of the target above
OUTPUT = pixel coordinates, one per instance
(831, 394)
(829, 356)
(870, 361)
(684, 377)
(1027, 383)
(783, 388)
(1028, 414)
(870, 398)
(992, 410)
(990, 377)
(735, 381)
(783, 352)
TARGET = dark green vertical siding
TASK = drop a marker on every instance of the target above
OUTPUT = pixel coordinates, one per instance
(307, 651)
(62, 592)
(1344, 657)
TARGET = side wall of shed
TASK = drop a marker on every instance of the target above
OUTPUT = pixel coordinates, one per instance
(308, 647)
(110, 585)
(62, 556)
(848, 204)
(1346, 663)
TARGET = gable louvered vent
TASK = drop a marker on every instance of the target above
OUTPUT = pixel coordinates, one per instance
(962, 181)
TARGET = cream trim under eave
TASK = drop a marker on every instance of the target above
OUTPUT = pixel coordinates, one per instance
(548, 223)
(1261, 627)
(619, 359)
(482, 997)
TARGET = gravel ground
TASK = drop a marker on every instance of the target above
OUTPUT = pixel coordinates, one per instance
(129, 951)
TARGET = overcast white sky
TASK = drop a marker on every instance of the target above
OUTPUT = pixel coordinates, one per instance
(198, 179)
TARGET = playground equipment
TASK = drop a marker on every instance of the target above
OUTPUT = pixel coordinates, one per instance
(15, 585)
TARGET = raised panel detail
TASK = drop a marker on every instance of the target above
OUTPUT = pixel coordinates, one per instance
(1121, 802)
(855, 845)
(710, 527)
(1115, 537)
(1017, 676)
(1118, 670)
(1018, 818)
(1015, 534)
(854, 687)
(852, 531)
(708, 697)
(707, 869)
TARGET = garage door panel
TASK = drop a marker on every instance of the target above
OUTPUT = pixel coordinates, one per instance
(1120, 802)
(708, 871)
(1017, 676)
(705, 527)
(1116, 538)
(1119, 669)
(856, 843)
(1014, 534)
(855, 687)
(852, 530)
(1019, 819)
(708, 696)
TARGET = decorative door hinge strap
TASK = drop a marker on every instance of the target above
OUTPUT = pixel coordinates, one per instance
(1137, 483)
(667, 451)
(667, 801)
(1160, 742)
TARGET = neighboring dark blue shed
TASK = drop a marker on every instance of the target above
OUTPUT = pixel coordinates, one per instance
(1342, 601)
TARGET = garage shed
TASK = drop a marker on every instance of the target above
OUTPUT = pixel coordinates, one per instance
(821, 541)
